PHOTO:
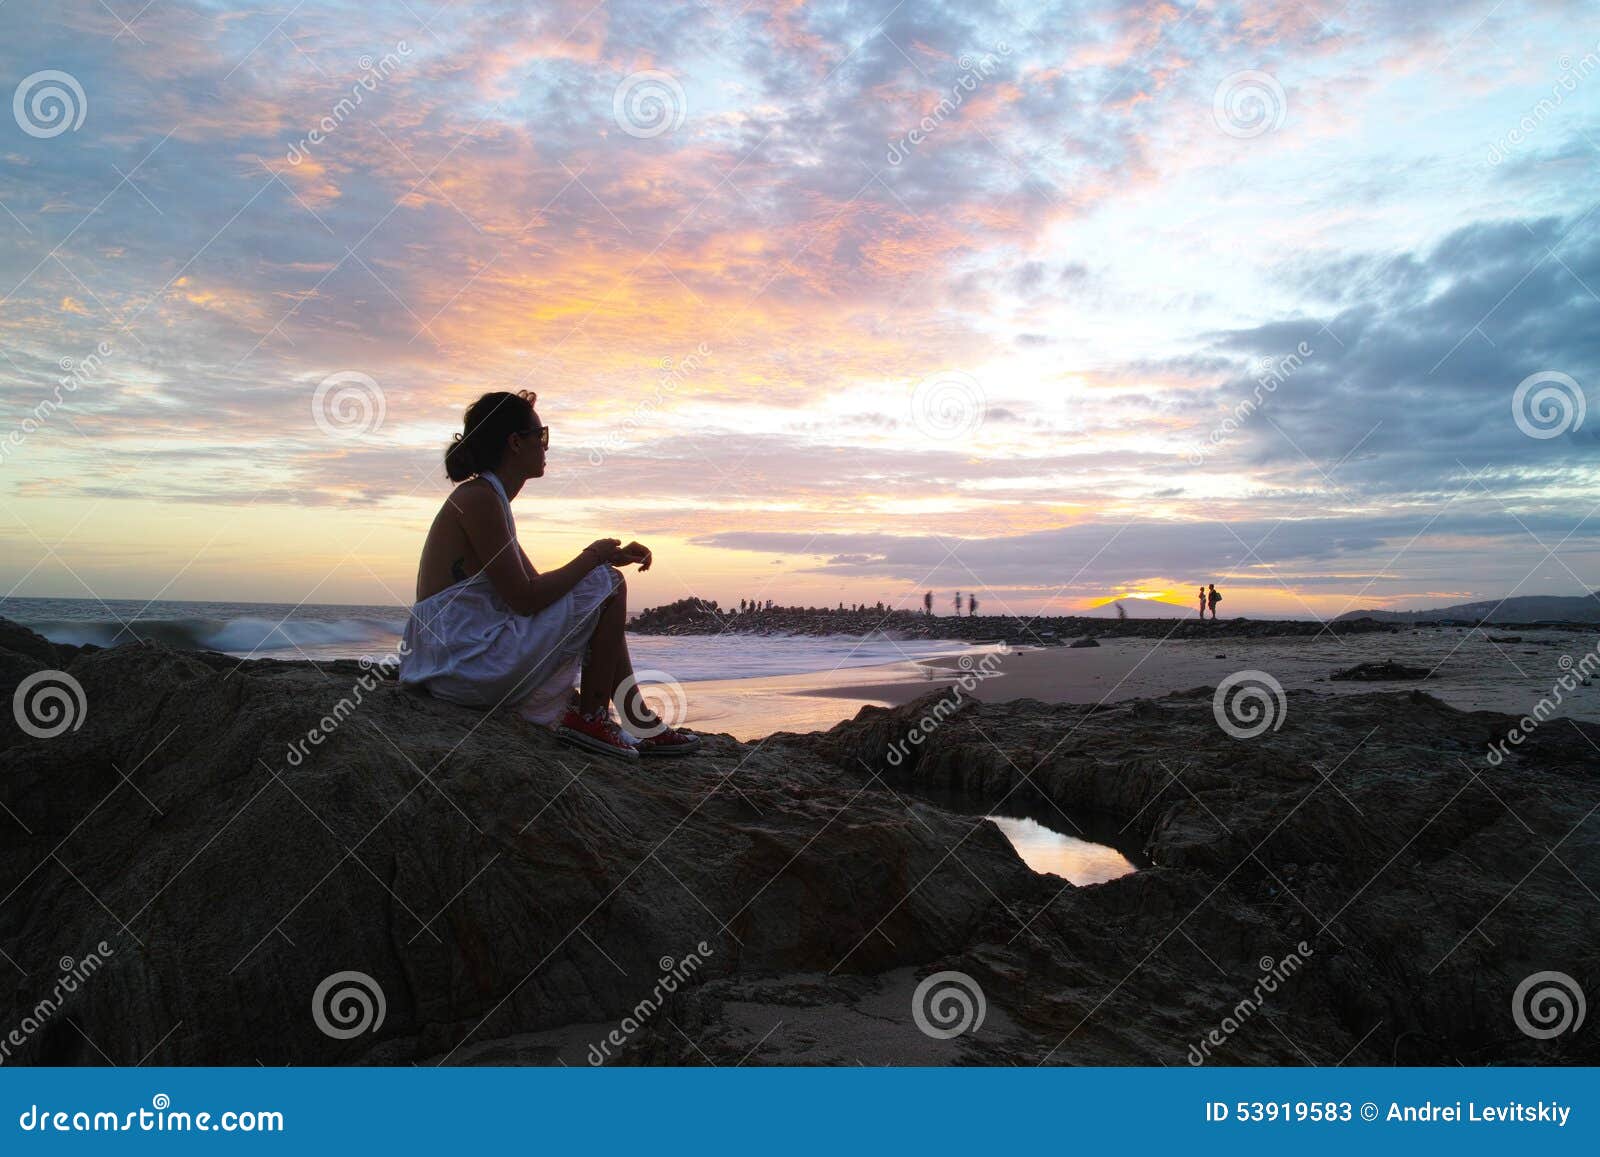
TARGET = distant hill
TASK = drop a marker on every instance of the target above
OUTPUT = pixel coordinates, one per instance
(1521, 609)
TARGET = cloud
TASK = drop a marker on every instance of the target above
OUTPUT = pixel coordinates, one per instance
(1075, 233)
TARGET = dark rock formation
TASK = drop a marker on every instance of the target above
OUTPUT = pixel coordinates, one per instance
(1086, 641)
(1427, 882)
(237, 833)
(1383, 672)
(488, 879)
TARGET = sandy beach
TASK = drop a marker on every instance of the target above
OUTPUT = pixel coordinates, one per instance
(1470, 672)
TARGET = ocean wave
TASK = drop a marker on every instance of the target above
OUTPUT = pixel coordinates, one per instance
(241, 636)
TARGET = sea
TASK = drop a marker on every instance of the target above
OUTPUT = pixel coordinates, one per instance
(348, 631)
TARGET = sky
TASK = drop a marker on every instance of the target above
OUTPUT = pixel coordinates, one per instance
(1053, 303)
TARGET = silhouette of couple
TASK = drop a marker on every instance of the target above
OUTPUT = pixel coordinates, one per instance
(1209, 597)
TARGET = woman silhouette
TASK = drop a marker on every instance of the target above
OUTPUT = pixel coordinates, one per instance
(489, 630)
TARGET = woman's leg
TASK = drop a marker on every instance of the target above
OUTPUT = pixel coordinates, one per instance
(636, 713)
(608, 663)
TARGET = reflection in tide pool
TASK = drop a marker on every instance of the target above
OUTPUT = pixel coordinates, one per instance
(1078, 861)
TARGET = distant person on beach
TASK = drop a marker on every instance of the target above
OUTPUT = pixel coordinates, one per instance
(1202, 602)
(489, 630)
(1213, 596)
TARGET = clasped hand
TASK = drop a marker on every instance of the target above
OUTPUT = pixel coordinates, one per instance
(612, 552)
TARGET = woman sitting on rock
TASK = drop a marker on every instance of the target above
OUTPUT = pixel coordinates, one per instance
(489, 630)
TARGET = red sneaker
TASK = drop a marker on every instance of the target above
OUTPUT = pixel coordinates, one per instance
(670, 742)
(595, 732)
(661, 740)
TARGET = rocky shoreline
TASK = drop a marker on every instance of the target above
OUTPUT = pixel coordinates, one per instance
(511, 900)
(693, 616)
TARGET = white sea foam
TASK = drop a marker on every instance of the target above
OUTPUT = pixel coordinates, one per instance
(338, 632)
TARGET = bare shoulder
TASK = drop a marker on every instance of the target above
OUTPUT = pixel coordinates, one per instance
(473, 497)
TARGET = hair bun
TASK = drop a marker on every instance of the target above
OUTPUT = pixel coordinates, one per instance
(489, 422)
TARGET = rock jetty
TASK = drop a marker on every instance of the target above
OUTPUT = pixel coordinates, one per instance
(695, 616)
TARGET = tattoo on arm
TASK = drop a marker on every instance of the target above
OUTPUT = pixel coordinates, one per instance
(458, 570)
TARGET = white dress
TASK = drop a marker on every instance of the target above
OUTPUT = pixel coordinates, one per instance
(465, 645)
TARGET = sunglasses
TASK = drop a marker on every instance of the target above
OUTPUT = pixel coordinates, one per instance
(543, 434)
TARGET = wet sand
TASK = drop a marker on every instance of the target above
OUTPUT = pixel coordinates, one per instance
(1470, 672)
